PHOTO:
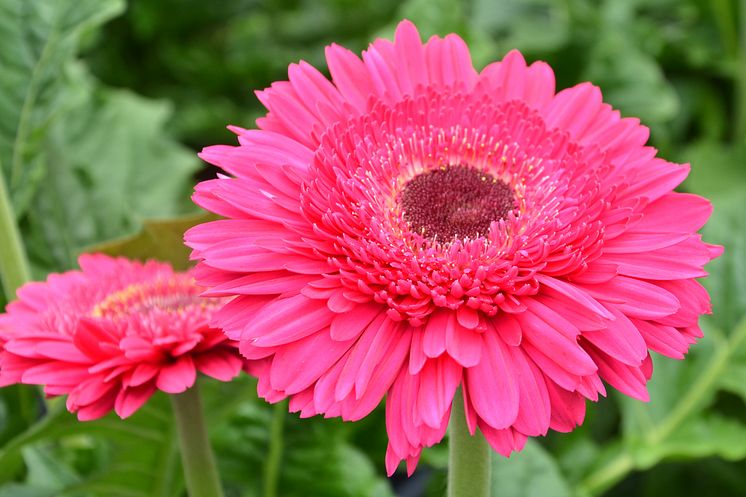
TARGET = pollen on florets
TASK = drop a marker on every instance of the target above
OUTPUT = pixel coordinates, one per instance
(455, 202)
(173, 294)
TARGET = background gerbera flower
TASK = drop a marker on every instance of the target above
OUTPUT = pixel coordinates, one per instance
(112, 334)
(414, 226)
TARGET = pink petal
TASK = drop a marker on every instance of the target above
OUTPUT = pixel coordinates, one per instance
(573, 109)
(574, 293)
(636, 298)
(177, 376)
(664, 215)
(349, 76)
(297, 366)
(131, 399)
(627, 379)
(551, 341)
(142, 373)
(681, 261)
(383, 377)
(464, 345)
(665, 340)
(286, 320)
(503, 441)
(438, 382)
(410, 56)
(55, 373)
(417, 357)
(552, 369)
(534, 410)
(508, 328)
(349, 325)
(621, 340)
(223, 365)
(568, 408)
(434, 340)
(492, 388)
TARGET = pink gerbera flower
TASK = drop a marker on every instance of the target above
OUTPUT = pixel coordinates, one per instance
(414, 226)
(112, 334)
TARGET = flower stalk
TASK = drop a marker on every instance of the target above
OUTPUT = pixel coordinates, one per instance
(468, 457)
(14, 268)
(274, 457)
(200, 470)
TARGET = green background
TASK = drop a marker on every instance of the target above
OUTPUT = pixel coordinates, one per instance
(104, 103)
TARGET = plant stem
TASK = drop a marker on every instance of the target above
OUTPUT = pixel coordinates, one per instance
(200, 471)
(468, 457)
(274, 457)
(606, 476)
(14, 268)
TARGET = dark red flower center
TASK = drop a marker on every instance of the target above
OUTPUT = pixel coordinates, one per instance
(455, 202)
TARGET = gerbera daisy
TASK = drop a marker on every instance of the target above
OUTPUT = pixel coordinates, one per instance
(414, 226)
(112, 334)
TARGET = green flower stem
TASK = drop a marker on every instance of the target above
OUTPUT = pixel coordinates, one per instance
(468, 457)
(200, 471)
(14, 268)
(274, 457)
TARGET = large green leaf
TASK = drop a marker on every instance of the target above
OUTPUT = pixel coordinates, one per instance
(136, 457)
(161, 239)
(726, 283)
(39, 39)
(84, 163)
(114, 168)
(318, 458)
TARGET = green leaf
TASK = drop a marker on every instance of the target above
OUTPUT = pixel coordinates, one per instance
(726, 283)
(705, 436)
(161, 239)
(135, 457)
(634, 83)
(679, 420)
(19, 408)
(39, 39)
(114, 169)
(530, 26)
(717, 170)
(19, 490)
(84, 164)
(44, 471)
(318, 459)
(55, 423)
(533, 472)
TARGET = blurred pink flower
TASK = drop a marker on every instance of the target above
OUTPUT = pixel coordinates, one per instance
(110, 335)
(414, 226)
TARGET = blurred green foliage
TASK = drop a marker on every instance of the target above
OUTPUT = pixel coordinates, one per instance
(103, 103)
